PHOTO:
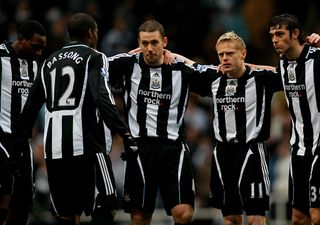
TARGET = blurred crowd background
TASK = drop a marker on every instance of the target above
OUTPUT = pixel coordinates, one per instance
(192, 27)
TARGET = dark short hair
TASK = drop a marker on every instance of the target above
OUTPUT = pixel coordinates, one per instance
(151, 26)
(290, 22)
(78, 24)
(29, 28)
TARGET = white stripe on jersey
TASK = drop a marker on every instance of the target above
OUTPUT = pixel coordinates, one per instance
(231, 126)
(77, 134)
(311, 93)
(106, 79)
(108, 137)
(173, 126)
(132, 117)
(215, 122)
(6, 90)
(151, 120)
(298, 125)
(251, 113)
(56, 134)
(252, 128)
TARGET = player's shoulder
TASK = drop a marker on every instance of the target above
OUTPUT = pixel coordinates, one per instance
(261, 71)
(124, 56)
(4, 50)
(313, 52)
(205, 67)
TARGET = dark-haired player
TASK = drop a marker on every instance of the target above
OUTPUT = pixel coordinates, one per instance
(18, 70)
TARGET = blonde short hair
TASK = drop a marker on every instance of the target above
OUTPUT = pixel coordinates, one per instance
(231, 37)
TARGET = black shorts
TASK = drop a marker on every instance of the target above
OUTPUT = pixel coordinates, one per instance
(6, 177)
(107, 193)
(240, 179)
(72, 184)
(162, 165)
(24, 183)
(304, 182)
(20, 185)
(315, 183)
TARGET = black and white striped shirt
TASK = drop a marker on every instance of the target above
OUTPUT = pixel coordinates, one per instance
(301, 81)
(242, 106)
(155, 97)
(73, 82)
(17, 77)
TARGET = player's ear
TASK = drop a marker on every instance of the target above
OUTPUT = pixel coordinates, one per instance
(295, 33)
(244, 54)
(165, 41)
(90, 33)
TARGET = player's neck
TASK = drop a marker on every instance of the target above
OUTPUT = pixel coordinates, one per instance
(237, 73)
(294, 52)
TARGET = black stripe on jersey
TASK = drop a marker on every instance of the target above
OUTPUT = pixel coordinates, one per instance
(126, 101)
(48, 147)
(163, 115)
(221, 114)
(67, 136)
(15, 98)
(259, 102)
(142, 111)
(240, 114)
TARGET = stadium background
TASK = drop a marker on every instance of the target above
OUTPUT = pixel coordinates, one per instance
(192, 27)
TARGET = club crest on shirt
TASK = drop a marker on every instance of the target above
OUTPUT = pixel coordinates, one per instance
(24, 69)
(231, 87)
(292, 72)
(155, 81)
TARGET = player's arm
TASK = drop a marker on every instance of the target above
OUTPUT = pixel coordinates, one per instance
(98, 80)
(183, 58)
(191, 62)
(119, 65)
(263, 67)
(101, 92)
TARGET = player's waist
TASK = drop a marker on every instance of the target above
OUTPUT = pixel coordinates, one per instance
(155, 140)
(235, 143)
